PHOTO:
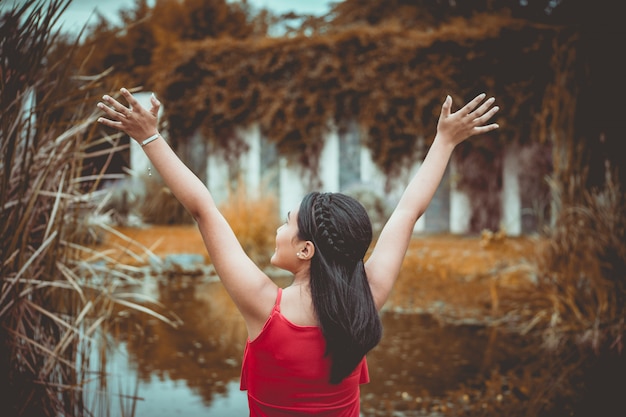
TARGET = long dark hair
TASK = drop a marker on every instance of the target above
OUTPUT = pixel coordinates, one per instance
(341, 231)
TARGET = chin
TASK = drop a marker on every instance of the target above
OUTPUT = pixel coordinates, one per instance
(275, 262)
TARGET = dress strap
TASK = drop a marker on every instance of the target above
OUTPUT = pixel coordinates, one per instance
(278, 296)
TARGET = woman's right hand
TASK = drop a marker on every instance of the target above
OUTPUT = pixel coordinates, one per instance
(135, 120)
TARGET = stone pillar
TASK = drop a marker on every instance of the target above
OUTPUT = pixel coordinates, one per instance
(350, 158)
(329, 162)
(511, 221)
(460, 208)
(251, 161)
(370, 174)
(291, 186)
(398, 186)
(218, 175)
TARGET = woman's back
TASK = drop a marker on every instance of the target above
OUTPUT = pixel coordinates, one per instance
(286, 372)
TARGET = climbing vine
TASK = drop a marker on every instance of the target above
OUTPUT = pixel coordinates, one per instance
(384, 65)
(388, 79)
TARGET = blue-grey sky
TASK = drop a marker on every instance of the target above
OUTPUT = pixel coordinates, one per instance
(80, 12)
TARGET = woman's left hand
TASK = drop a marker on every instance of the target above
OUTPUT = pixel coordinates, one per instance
(471, 119)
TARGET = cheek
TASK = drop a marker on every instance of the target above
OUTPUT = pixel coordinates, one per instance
(281, 239)
(281, 256)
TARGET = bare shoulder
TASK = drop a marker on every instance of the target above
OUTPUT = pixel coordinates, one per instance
(297, 306)
(263, 301)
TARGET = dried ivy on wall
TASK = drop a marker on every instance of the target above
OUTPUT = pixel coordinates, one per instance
(388, 79)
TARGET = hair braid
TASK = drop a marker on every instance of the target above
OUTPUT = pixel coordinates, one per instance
(328, 238)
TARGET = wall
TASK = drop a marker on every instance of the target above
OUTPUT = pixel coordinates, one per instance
(345, 167)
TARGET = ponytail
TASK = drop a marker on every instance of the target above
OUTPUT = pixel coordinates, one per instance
(341, 231)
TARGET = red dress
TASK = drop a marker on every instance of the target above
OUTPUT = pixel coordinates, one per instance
(286, 373)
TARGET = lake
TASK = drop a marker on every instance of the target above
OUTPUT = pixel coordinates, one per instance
(193, 370)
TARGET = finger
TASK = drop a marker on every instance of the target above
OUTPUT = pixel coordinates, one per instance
(467, 109)
(446, 106)
(134, 104)
(485, 129)
(110, 123)
(483, 119)
(119, 108)
(483, 107)
(113, 114)
(155, 105)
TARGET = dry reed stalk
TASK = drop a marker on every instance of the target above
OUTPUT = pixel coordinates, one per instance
(583, 272)
(54, 306)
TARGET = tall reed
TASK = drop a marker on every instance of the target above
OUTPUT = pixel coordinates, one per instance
(574, 318)
(54, 302)
(581, 294)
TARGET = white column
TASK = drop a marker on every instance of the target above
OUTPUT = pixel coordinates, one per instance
(218, 176)
(398, 186)
(251, 160)
(511, 222)
(292, 188)
(370, 174)
(329, 162)
(460, 208)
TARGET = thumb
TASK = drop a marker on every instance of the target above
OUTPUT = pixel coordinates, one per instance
(447, 105)
(156, 104)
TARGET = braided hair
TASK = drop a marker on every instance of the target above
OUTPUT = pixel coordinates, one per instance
(341, 231)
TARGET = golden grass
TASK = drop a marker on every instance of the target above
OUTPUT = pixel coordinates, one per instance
(254, 220)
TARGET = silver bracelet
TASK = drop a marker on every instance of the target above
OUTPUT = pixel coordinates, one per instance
(150, 139)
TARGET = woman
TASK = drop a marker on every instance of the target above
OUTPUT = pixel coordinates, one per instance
(306, 347)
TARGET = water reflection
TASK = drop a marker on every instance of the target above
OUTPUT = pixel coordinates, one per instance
(194, 369)
(420, 358)
(204, 353)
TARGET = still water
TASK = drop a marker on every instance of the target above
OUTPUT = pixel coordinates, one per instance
(193, 370)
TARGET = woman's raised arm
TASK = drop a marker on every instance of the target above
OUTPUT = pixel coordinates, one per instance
(384, 264)
(251, 290)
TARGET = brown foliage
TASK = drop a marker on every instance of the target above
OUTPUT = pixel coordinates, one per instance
(388, 79)
(414, 14)
(386, 65)
(129, 50)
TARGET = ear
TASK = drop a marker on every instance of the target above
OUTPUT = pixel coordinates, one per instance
(307, 251)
